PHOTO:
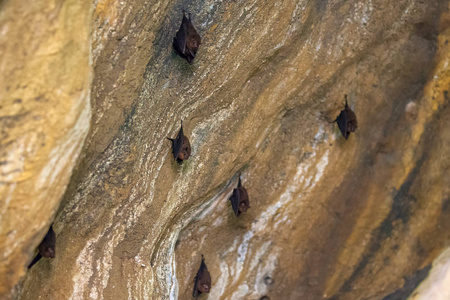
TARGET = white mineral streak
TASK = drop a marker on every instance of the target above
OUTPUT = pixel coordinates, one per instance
(262, 263)
(162, 279)
(85, 270)
(222, 282)
(130, 212)
(437, 285)
(265, 268)
(13, 170)
(166, 269)
(66, 151)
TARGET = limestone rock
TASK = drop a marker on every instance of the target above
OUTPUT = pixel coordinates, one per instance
(44, 118)
(329, 219)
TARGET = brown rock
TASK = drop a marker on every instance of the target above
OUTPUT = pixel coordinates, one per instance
(44, 118)
(330, 218)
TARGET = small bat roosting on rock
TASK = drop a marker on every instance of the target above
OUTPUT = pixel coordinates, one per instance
(239, 199)
(181, 148)
(346, 120)
(202, 280)
(46, 247)
(186, 40)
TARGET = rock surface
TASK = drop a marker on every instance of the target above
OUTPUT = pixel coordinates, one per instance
(330, 218)
(45, 114)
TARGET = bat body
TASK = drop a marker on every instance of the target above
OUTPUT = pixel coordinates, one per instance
(46, 248)
(186, 40)
(239, 199)
(181, 148)
(202, 280)
(347, 120)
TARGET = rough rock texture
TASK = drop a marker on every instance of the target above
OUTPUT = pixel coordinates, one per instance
(329, 218)
(45, 115)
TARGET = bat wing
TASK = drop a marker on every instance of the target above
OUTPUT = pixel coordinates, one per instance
(35, 260)
(50, 237)
(342, 123)
(179, 41)
(176, 46)
(181, 36)
(196, 292)
(235, 202)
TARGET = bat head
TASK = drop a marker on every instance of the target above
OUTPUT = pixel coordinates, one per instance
(192, 44)
(244, 202)
(243, 207)
(204, 286)
(351, 126)
(185, 150)
(49, 252)
(47, 246)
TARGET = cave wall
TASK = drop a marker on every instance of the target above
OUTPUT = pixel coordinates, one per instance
(45, 114)
(362, 218)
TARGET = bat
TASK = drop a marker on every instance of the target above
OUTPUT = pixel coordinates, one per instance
(186, 40)
(181, 148)
(202, 280)
(346, 120)
(46, 248)
(239, 199)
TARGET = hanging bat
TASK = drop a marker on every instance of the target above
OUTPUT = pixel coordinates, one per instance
(181, 148)
(239, 199)
(202, 280)
(46, 248)
(186, 40)
(346, 120)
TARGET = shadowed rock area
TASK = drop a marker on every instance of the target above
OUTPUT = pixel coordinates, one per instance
(330, 218)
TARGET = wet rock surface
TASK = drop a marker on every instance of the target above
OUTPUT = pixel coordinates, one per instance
(330, 218)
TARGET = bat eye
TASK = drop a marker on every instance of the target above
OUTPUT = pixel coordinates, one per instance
(351, 127)
(205, 288)
(50, 252)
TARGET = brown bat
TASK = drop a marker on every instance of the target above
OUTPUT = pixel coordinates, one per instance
(202, 280)
(346, 120)
(239, 199)
(181, 148)
(186, 40)
(46, 248)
